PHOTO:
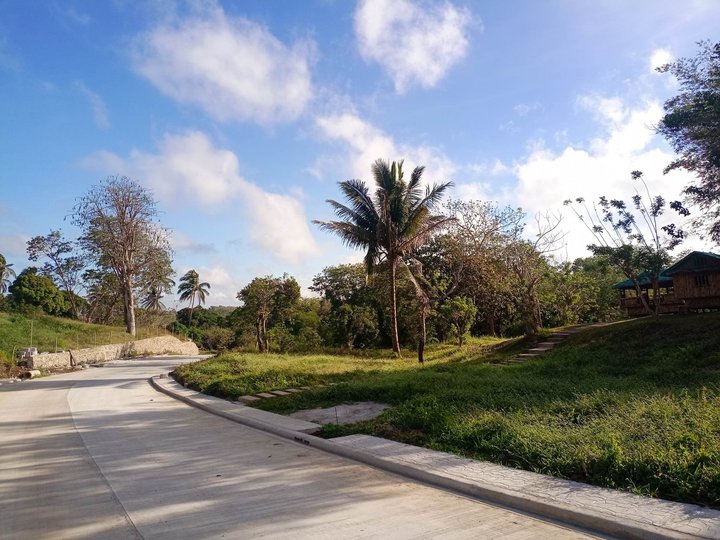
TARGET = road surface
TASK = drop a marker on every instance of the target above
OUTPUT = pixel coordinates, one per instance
(100, 454)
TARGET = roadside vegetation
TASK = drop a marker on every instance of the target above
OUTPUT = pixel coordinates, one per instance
(634, 406)
(50, 333)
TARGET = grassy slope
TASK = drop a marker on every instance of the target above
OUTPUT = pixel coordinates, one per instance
(634, 406)
(70, 334)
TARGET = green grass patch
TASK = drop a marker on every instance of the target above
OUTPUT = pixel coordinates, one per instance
(49, 333)
(634, 406)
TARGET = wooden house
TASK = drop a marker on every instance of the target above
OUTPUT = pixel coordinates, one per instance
(691, 284)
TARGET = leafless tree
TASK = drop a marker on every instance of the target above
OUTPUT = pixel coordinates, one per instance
(120, 231)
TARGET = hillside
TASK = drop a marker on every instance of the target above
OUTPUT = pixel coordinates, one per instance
(51, 333)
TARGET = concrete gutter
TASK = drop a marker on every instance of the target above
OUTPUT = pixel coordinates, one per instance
(603, 510)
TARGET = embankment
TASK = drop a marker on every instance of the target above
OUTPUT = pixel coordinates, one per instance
(105, 353)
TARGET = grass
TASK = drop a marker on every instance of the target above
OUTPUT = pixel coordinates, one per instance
(49, 333)
(634, 406)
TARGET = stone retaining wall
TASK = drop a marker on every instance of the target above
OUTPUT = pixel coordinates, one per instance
(105, 353)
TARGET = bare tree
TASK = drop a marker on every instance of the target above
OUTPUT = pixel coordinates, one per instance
(118, 219)
(527, 260)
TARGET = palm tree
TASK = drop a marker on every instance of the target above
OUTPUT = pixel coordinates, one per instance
(155, 291)
(388, 224)
(152, 299)
(6, 275)
(190, 289)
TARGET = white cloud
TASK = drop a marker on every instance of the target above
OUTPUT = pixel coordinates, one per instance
(545, 178)
(231, 67)
(100, 113)
(416, 44)
(660, 57)
(366, 143)
(189, 169)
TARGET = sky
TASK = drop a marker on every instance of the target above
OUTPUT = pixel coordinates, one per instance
(241, 117)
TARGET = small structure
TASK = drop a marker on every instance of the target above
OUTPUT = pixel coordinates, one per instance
(691, 284)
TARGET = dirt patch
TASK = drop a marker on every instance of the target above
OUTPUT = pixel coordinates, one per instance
(346, 413)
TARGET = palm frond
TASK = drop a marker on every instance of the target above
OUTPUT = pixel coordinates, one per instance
(351, 234)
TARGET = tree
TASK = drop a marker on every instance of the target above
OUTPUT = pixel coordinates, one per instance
(120, 232)
(692, 126)
(191, 289)
(475, 249)
(634, 244)
(33, 290)
(268, 300)
(351, 304)
(104, 296)
(527, 260)
(6, 275)
(389, 224)
(63, 265)
(152, 298)
(460, 311)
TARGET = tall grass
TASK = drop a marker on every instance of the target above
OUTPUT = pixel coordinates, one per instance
(634, 406)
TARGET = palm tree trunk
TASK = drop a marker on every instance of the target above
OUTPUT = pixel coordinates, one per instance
(423, 336)
(192, 302)
(393, 307)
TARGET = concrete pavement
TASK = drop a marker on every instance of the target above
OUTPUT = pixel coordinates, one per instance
(613, 512)
(100, 454)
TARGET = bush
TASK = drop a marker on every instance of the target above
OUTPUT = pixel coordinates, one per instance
(216, 338)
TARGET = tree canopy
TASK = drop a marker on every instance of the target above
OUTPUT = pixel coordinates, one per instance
(191, 288)
(389, 224)
(692, 126)
(120, 233)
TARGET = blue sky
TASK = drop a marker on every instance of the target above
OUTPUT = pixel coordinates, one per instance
(242, 116)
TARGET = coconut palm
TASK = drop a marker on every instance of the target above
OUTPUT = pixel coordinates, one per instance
(388, 224)
(191, 289)
(7, 274)
(155, 291)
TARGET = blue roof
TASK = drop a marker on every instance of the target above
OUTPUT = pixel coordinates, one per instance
(644, 280)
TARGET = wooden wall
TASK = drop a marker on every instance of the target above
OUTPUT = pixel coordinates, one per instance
(686, 286)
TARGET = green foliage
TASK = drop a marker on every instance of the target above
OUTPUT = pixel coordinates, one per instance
(31, 290)
(62, 264)
(692, 126)
(388, 225)
(7, 274)
(192, 289)
(267, 302)
(49, 332)
(635, 406)
(216, 338)
(580, 292)
(460, 312)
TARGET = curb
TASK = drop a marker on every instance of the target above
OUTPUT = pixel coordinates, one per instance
(605, 524)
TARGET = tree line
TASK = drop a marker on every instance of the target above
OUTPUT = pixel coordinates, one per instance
(433, 269)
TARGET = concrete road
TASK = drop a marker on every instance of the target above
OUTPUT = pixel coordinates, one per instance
(100, 454)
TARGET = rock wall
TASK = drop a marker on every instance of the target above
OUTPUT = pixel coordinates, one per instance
(105, 353)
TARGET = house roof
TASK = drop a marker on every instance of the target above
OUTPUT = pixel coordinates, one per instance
(645, 280)
(696, 261)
